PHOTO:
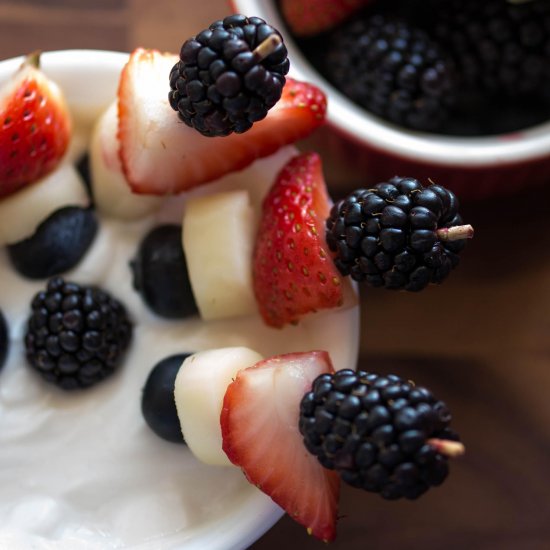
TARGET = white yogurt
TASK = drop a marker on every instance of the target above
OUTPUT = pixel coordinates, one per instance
(83, 470)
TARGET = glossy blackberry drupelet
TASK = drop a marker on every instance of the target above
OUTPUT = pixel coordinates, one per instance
(393, 70)
(76, 335)
(4, 339)
(220, 86)
(58, 244)
(160, 273)
(499, 46)
(387, 236)
(157, 400)
(373, 431)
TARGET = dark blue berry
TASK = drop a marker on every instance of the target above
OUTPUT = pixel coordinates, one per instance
(83, 168)
(157, 400)
(58, 244)
(160, 273)
(4, 340)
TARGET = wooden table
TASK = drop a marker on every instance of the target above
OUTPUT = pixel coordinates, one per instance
(480, 341)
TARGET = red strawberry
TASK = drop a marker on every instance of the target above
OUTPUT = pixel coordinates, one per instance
(310, 17)
(35, 127)
(293, 273)
(259, 422)
(161, 155)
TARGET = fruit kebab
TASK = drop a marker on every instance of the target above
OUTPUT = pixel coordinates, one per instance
(381, 433)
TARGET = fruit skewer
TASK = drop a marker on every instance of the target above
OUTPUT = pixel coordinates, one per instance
(382, 434)
(456, 233)
(451, 449)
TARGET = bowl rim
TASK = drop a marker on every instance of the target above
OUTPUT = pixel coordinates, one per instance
(53, 59)
(366, 129)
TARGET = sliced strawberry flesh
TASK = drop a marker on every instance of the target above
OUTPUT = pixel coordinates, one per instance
(293, 273)
(161, 155)
(34, 129)
(260, 433)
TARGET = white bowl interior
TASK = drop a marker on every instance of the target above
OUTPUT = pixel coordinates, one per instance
(350, 119)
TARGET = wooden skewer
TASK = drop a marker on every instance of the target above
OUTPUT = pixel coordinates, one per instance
(447, 447)
(267, 47)
(455, 233)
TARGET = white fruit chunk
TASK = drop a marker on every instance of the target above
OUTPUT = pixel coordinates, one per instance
(199, 390)
(22, 212)
(112, 194)
(218, 237)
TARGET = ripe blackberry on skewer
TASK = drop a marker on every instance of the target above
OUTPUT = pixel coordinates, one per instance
(383, 434)
(393, 70)
(229, 75)
(398, 234)
(499, 46)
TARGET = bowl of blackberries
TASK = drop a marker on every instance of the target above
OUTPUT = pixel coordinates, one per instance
(457, 91)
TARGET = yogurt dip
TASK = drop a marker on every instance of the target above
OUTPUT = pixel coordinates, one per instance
(82, 469)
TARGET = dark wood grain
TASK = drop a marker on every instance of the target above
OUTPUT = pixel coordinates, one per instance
(481, 340)
(31, 25)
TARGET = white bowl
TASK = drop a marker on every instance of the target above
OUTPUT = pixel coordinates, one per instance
(360, 148)
(89, 80)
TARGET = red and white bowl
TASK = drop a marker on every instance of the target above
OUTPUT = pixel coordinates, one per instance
(359, 148)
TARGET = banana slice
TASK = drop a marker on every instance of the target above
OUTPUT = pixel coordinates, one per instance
(218, 237)
(112, 194)
(200, 386)
(22, 212)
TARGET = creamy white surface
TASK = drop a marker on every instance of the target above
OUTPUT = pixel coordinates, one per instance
(82, 470)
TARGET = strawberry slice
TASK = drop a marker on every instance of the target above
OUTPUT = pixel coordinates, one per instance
(311, 17)
(35, 127)
(259, 422)
(293, 273)
(161, 155)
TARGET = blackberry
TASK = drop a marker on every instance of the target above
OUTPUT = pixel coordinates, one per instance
(499, 46)
(396, 234)
(76, 335)
(393, 70)
(225, 81)
(380, 433)
(4, 340)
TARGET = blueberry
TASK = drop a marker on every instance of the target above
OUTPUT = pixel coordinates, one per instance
(58, 244)
(157, 401)
(3, 340)
(160, 273)
(83, 167)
